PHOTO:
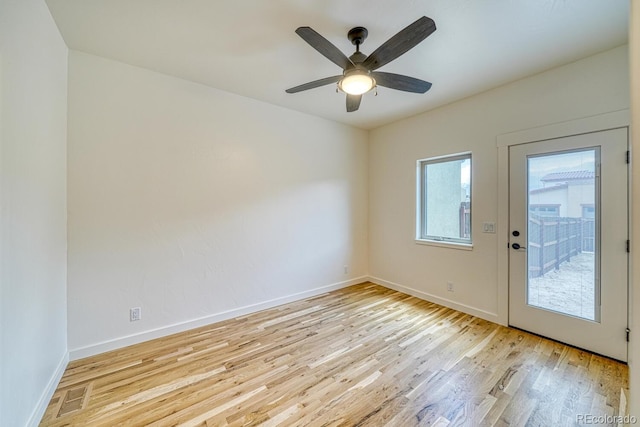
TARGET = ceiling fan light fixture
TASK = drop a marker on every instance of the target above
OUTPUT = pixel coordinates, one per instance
(357, 82)
(359, 74)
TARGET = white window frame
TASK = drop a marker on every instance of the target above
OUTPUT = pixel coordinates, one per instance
(421, 207)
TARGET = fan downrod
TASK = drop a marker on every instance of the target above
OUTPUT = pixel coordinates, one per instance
(357, 35)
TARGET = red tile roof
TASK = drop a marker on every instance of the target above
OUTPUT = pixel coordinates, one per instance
(568, 176)
(548, 189)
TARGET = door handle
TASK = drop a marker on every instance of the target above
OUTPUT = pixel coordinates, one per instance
(517, 246)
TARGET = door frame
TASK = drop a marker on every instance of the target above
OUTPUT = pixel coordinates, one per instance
(602, 122)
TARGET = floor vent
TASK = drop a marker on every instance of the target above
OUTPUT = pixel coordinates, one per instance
(74, 400)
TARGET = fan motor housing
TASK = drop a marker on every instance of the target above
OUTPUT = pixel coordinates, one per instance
(358, 57)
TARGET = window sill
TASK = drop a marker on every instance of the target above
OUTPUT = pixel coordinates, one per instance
(450, 245)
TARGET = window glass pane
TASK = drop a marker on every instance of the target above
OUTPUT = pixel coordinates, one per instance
(562, 254)
(446, 204)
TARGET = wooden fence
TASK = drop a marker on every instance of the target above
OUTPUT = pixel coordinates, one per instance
(554, 240)
(588, 235)
(465, 223)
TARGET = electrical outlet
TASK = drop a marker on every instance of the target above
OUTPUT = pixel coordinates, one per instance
(450, 286)
(346, 269)
(135, 314)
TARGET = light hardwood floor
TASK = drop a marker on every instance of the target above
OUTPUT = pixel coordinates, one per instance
(360, 356)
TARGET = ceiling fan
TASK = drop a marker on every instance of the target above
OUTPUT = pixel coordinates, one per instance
(359, 75)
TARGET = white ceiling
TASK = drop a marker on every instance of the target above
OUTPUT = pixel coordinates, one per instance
(249, 47)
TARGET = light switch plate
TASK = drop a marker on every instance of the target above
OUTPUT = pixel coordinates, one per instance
(488, 227)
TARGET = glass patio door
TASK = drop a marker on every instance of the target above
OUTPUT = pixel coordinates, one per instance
(568, 235)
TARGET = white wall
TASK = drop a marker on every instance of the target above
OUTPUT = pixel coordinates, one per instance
(196, 204)
(634, 59)
(588, 87)
(33, 96)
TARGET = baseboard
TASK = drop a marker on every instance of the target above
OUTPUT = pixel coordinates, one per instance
(483, 314)
(102, 347)
(45, 398)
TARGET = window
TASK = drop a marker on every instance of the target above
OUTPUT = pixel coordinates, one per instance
(545, 210)
(444, 199)
(588, 211)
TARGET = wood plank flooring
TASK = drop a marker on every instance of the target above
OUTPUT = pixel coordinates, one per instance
(360, 356)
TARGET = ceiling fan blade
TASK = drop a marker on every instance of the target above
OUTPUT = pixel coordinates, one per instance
(325, 47)
(400, 82)
(313, 84)
(353, 102)
(400, 43)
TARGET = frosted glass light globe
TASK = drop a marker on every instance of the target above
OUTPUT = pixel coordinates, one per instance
(356, 83)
